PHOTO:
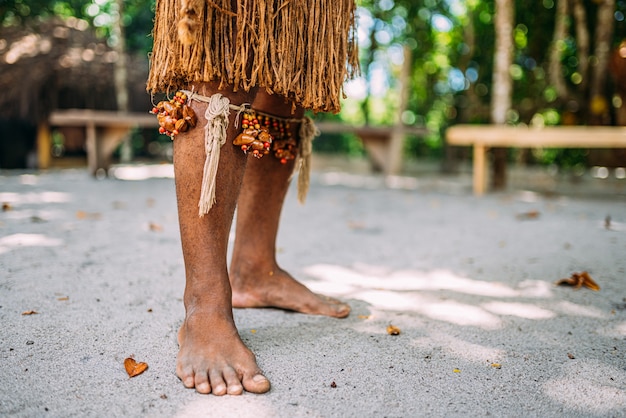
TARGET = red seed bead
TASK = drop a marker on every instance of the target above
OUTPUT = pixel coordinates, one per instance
(283, 161)
(244, 148)
(175, 132)
(161, 130)
(266, 144)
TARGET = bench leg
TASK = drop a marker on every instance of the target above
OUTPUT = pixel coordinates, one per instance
(92, 148)
(480, 169)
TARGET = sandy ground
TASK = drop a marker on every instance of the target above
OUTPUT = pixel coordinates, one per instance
(468, 281)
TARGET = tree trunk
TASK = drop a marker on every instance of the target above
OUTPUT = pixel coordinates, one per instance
(502, 94)
(600, 109)
(560, 33)
(121, 74)
(582, 43)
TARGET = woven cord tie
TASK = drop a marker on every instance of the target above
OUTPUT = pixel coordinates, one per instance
(216, 114)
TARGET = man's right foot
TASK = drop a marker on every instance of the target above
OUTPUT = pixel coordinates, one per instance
(213, 359)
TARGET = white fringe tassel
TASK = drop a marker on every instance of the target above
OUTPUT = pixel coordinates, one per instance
(216, 114)
(308, 131)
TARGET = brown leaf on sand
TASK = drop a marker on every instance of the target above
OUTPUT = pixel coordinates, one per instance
(356, 225)
(533, 214)
(87, 215)
(6, 206)
(393, 330)
(155, 227)
(578, 280)
(134, 368)
(30, 313)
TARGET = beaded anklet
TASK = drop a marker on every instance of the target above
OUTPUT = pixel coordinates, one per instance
(261, 132)
(175, 115)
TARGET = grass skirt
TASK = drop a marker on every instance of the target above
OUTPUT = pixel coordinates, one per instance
(303, 50)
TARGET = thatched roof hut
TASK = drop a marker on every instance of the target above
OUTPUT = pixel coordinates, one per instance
(58, 64)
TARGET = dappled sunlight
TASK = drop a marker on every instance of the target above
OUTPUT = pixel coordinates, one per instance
(594, 387)
(246, 405)
(334, 277)
(27, 240)
(35, 197)
(573, 309)
(461, 314)
(521, 310)
(621, 329)
(460, 348)
(421, 292)
(142, 172)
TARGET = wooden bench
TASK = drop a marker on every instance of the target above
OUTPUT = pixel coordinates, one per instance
(383, 144)
(104, 130)
(483, 137)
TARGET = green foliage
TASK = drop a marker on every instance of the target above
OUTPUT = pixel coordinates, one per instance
(452, 48)
(452, 42)
(137, 17)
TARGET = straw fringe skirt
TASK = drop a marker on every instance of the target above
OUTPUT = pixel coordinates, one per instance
(303, 50)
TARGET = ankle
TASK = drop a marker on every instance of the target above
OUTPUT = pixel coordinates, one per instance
(244, 268)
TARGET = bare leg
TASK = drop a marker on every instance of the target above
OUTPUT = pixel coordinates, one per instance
(212, 357)
(256, 278)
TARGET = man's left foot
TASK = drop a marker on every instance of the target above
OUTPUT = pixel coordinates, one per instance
(278, 289)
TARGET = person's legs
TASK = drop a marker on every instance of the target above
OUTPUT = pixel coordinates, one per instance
(256, 278)
(212, 357)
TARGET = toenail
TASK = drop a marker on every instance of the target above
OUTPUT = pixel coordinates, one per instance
(203, 388)
(259, 378)
(235, 389)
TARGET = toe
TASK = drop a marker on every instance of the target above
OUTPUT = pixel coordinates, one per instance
(217, 383)
(342, 310)
(256, 383)
(233, 384)
(202, 383)
(186, 376)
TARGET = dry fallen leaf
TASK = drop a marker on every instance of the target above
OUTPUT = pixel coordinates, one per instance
(364, 316)
(457, 370)
(356, 225)
(533, 214)
(30, 313)
(134, 368)
(571, 356)
(87, 215)
(496, 365)
(155, 227)
(392, 330)
(578, 280)
(6, 207)
(63, 298)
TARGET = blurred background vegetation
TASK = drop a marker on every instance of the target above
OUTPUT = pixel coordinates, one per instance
(439, 53)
